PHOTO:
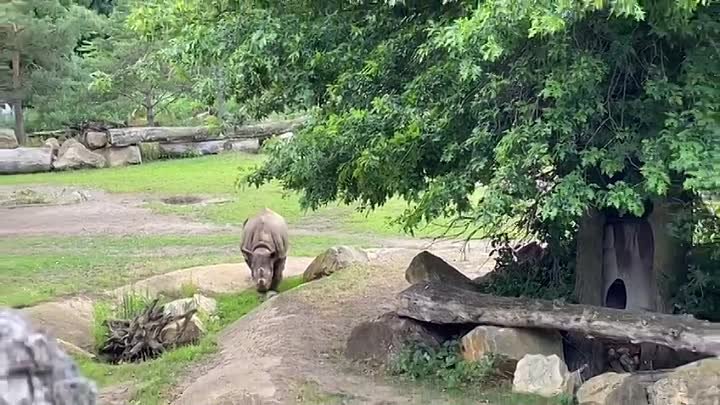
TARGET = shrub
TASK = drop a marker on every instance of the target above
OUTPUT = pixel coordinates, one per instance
(445, 366)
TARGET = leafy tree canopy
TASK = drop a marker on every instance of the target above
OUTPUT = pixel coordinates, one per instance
(550, 107)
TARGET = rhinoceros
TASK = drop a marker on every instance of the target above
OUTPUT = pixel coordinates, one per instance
(264, 246)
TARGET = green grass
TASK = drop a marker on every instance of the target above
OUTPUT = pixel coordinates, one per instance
(152, 379)
(216, 176)
(36, 269)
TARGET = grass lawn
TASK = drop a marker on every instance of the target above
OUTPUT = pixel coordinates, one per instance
(217, 176)
(36, 269)
(151, 380)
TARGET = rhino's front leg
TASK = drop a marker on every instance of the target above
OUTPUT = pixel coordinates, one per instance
(277, 273)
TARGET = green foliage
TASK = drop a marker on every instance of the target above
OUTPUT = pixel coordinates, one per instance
(445, 365)
(552, 277)
(551, 108)
(699, 294)
(130, 306)
(155, 377)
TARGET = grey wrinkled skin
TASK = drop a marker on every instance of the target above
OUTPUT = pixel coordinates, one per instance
(33, 369)
(264, 246)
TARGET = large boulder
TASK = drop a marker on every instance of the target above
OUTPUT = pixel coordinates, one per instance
(332, 260)
(174, 332)
(204, 305)
(612, 389)
(383, 338)
(96, 140)
(696, 383)
(121, 156)
(53, 144)
(34, 370)
(426, 267)
(510, 343)
(546, 376)
(74, 155)
(8, 139)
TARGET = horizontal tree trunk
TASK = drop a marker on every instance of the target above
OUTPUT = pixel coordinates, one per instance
(136, 135)
(442, 304)
(25, 160)
(209, 147)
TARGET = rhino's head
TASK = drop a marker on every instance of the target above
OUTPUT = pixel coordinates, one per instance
(261, 262)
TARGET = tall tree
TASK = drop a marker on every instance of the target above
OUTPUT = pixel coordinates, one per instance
(49, 33)
(135, 68)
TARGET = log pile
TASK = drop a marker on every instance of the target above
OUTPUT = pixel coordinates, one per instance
(446, 304)
(143, 337)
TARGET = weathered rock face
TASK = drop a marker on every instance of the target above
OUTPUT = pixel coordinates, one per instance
(510, 343)
(381, 339)
(33, 370)
(612, 389)
(53, 144)
(546, 376)
(74, 155)
(7, 139)
(66, 145)
(25, 160)
(121, 156)
(693, 384)
(192, 333)
(332, 260)
(205, 305)
(426, 267)
(96, 140)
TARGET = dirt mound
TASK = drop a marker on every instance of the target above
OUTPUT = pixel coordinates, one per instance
(294, 342)
(69, 320)
(215, 279)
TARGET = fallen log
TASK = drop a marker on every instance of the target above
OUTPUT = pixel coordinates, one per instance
(209, 147)
(25, 160)
(136, 135)
(442, 304)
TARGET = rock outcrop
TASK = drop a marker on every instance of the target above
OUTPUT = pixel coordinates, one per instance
(74, 155)
(333, 260)
(546, 376)
(512, 344)
(33, 369)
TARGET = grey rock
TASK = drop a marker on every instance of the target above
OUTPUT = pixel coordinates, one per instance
(33, 369)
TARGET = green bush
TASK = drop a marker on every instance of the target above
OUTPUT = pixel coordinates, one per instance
(445, 365)
(552, 277)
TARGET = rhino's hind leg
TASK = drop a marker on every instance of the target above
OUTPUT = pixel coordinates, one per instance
(278, 274)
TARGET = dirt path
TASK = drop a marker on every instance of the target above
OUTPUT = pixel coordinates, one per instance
(293, 343)
(285, 351)
(98, 213)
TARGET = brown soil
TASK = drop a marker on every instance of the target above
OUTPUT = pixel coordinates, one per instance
(284, 350)
(295, 340)
(101, 213)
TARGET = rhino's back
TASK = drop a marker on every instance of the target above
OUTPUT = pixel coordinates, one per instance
(267, 227)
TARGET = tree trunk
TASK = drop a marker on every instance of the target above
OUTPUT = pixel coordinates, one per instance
(149, 110)
(133, 136)
(17, 103)
(220, 93)
(669, 257)
(589, 259)
(441, 304)
(25, 160)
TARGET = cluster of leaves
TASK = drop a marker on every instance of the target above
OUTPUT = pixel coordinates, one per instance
(552, 107)
(445, 365)
(550, 277)
(700, 293)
